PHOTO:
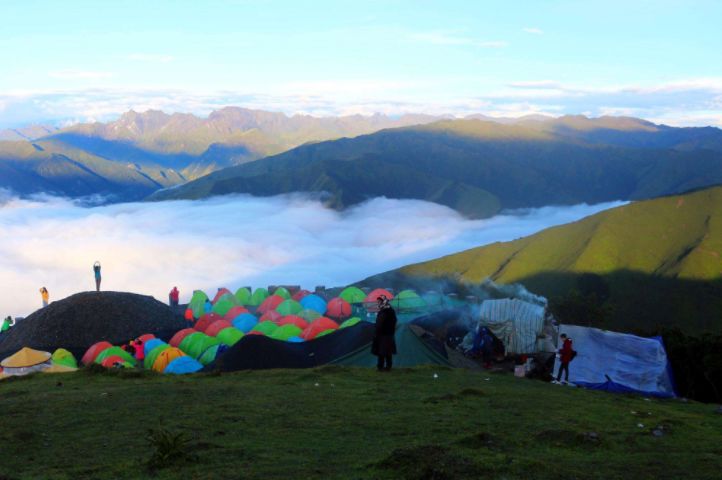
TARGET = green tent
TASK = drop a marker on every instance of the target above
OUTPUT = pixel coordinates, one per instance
(64, 357)
(197, 303)
(229, 336)
(259, 295)
(408, 300)
(282, 292)
(284, 332)
(309, 315)
(224, 304)
(412, 351)
(289, 307)
(325, 332)
(209, 355)
(243, 296)
(151, 357)
(353, 295)
(266, 328)
(350, 322)
(198, 344)
(187, 341)
(109, 352)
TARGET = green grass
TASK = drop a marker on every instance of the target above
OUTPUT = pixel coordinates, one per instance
(336, 422)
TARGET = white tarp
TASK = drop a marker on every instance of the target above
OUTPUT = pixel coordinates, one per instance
(515, 322)
(634, 362)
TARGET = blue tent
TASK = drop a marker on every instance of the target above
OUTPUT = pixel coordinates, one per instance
(245, 322)
(618, 362)
(315, 303)
(182, 365)
(151, 344)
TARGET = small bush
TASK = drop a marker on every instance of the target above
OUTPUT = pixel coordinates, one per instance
(170, 448)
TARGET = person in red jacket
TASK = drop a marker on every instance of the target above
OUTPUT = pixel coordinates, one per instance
(566, 354)
(173, 297)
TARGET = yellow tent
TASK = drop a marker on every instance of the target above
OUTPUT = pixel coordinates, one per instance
(57, 368)
(25, 357)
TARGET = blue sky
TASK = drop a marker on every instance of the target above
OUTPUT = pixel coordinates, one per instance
(89, 60)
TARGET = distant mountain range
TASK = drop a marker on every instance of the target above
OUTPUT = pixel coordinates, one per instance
(142, 152)
(659, 262)
(480, 167)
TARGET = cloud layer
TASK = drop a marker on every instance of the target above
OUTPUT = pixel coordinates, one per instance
(231, 241)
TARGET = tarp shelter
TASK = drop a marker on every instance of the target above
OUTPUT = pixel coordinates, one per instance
(618, 362)
(25, 361)
(413, 347)
(518, 324)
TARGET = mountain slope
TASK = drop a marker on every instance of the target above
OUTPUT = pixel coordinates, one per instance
(515, 165)
(660, 259)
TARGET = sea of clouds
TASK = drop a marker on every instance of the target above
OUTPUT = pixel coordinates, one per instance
(231, 241)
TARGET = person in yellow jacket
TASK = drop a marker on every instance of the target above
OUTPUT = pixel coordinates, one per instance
(45, 296)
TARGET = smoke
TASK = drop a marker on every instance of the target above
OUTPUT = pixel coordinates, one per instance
(231, 241)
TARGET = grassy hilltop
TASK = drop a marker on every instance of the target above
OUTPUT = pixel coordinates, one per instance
(655, 263)
(339, 423)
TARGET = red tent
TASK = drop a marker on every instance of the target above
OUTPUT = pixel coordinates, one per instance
(216, 327)
(146, 337)
(206, 320)
(271, 315)
(321, 324)
(371, 297)
(94, 351)
(180, 335)
(300, 294)
(270, 303)
(234, 312)
(110, 361)
(338, 308)
(293, 320)
(221, 292)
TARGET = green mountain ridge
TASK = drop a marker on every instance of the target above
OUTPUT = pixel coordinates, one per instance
(659, 261)
(495, 166)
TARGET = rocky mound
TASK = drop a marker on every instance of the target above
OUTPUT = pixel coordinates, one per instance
(78, 321)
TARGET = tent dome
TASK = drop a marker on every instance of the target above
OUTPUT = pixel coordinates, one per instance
(216, 327)
(292, 320)
(353, 295)
(245, 322)
(220, 293)
(179, 336)
(270, 303)
(64, 357)
(234, 312)
(289, 307)
(285, 332)
(282, 292)
(319, 325)
(314, 302)
(197, 303)
(259, 295)
(151, 344)
(243, 296)
(300, 294)
(338, 308)
(165, 357)
(153, 355)
(229, 336)
(94, 351)
(371, 297)
(182, 365)
(25, 357)
(115, 351)
(205, 321)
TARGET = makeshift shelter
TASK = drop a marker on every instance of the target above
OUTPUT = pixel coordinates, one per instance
(353, 295)
(259, 295)
(338, 308)
(229, 336)
(518, 324)
(25, 361)
(243, 296)
(197, 303)
(618, 362)
(94, 351)
(183, 365)
(315, 303)
(63, 357)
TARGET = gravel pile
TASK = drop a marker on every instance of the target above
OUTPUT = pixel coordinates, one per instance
(78, 321)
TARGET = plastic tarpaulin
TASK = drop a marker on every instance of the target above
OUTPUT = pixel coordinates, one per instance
(618, 362)
(515, 322)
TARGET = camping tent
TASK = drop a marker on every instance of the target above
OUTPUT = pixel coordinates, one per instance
(25, 361)
(518, 324)
(63, 357)
(353, 295)
(618, 362)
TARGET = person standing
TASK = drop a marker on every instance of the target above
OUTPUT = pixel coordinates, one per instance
(7, 323)
(45, 296)
(566, 354)
(173, 297)
(384, 344)
(96, 270)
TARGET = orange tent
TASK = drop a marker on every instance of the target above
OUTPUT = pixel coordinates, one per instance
(165, 357)
(321, 324)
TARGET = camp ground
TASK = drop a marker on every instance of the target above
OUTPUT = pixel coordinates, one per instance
(289, 327)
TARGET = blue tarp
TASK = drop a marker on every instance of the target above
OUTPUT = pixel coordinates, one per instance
(618, 362)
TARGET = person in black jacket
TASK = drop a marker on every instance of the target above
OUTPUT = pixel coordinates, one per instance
(384, 345)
